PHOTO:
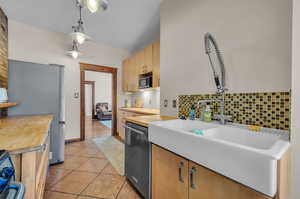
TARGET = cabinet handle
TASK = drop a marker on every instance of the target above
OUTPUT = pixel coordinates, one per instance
(192, 177)
(181, 165)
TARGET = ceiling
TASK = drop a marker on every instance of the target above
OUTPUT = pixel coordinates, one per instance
(128, 24)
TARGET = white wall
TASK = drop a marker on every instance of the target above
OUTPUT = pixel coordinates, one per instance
(88, 99)
(295, 126)
(103, 85)
(254, 37)
(27, 43)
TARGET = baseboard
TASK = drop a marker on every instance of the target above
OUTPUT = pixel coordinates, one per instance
(68, 141)
(119, 138)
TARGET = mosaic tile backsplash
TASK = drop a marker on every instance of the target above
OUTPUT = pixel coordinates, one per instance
(271, 110)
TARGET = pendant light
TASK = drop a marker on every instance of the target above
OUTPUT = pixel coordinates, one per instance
(78, 33)
(94, 5)
(74, 52)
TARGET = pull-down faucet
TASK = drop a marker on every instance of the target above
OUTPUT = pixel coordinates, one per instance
(210, 43)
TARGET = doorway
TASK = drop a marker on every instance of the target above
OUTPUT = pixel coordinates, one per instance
(89, 99)
(97, 112)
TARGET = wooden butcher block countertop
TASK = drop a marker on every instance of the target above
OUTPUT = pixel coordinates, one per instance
(146, 111)
(23, 133)
(145, 120)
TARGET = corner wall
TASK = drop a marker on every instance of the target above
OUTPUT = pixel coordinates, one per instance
(295, 139)
(27, 43)
(254, 37)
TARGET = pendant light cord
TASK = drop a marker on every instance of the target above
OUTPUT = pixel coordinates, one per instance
(80, 7)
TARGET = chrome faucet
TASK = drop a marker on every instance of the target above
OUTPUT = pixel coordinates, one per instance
(221, 117)
(210, 43)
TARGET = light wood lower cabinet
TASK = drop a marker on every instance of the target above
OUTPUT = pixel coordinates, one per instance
(207, 184)
(169, 175)
(31, 169)
(122, 121)
(174, 177)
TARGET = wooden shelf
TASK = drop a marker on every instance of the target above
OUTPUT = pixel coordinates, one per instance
(8, 104)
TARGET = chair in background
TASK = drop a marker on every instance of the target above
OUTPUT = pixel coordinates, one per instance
(103, 111)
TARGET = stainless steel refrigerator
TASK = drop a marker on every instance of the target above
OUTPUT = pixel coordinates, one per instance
(39, 88)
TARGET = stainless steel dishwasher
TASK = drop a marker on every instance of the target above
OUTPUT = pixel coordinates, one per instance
(138, 158)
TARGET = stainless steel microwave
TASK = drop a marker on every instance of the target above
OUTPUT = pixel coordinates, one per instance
(145, 81)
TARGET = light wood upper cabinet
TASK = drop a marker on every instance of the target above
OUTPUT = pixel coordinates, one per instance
(125, 75)
(169, 175)
(148, 62)
(177, 178)
(144, 61)
(156, 64)
(130, 75)
(133, 74)
(140, 61)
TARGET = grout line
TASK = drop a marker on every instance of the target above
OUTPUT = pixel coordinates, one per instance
(60, 178)
(73, 194)
(89, 183)
(89, 196)
(123, 185)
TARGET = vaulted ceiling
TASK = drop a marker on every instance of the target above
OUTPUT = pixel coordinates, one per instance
(128, 24)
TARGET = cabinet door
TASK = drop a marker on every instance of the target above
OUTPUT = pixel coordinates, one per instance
(125, 75)
(148, 67)
(156, 64)
(207, 184)
(169, 175)
(121, 123)
(133, 74)
(140, 62)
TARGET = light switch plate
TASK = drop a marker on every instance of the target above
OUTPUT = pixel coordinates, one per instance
(76, 95)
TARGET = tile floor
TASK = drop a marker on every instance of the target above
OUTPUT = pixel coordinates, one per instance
(94, 129)
(86, 174)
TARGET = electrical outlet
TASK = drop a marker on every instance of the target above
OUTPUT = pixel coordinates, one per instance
(174, 103)
(165, 103)
(50, 155)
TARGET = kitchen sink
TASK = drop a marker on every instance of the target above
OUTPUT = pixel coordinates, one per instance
(186, 126)
(243, 137)
(245, 156)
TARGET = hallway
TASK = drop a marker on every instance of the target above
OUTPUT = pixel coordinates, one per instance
(95, 129)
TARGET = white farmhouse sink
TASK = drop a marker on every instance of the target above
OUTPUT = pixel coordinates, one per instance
(240, 154)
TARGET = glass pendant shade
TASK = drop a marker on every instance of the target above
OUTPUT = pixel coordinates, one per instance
(95, 5)
(79, 37)
(74, 53)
